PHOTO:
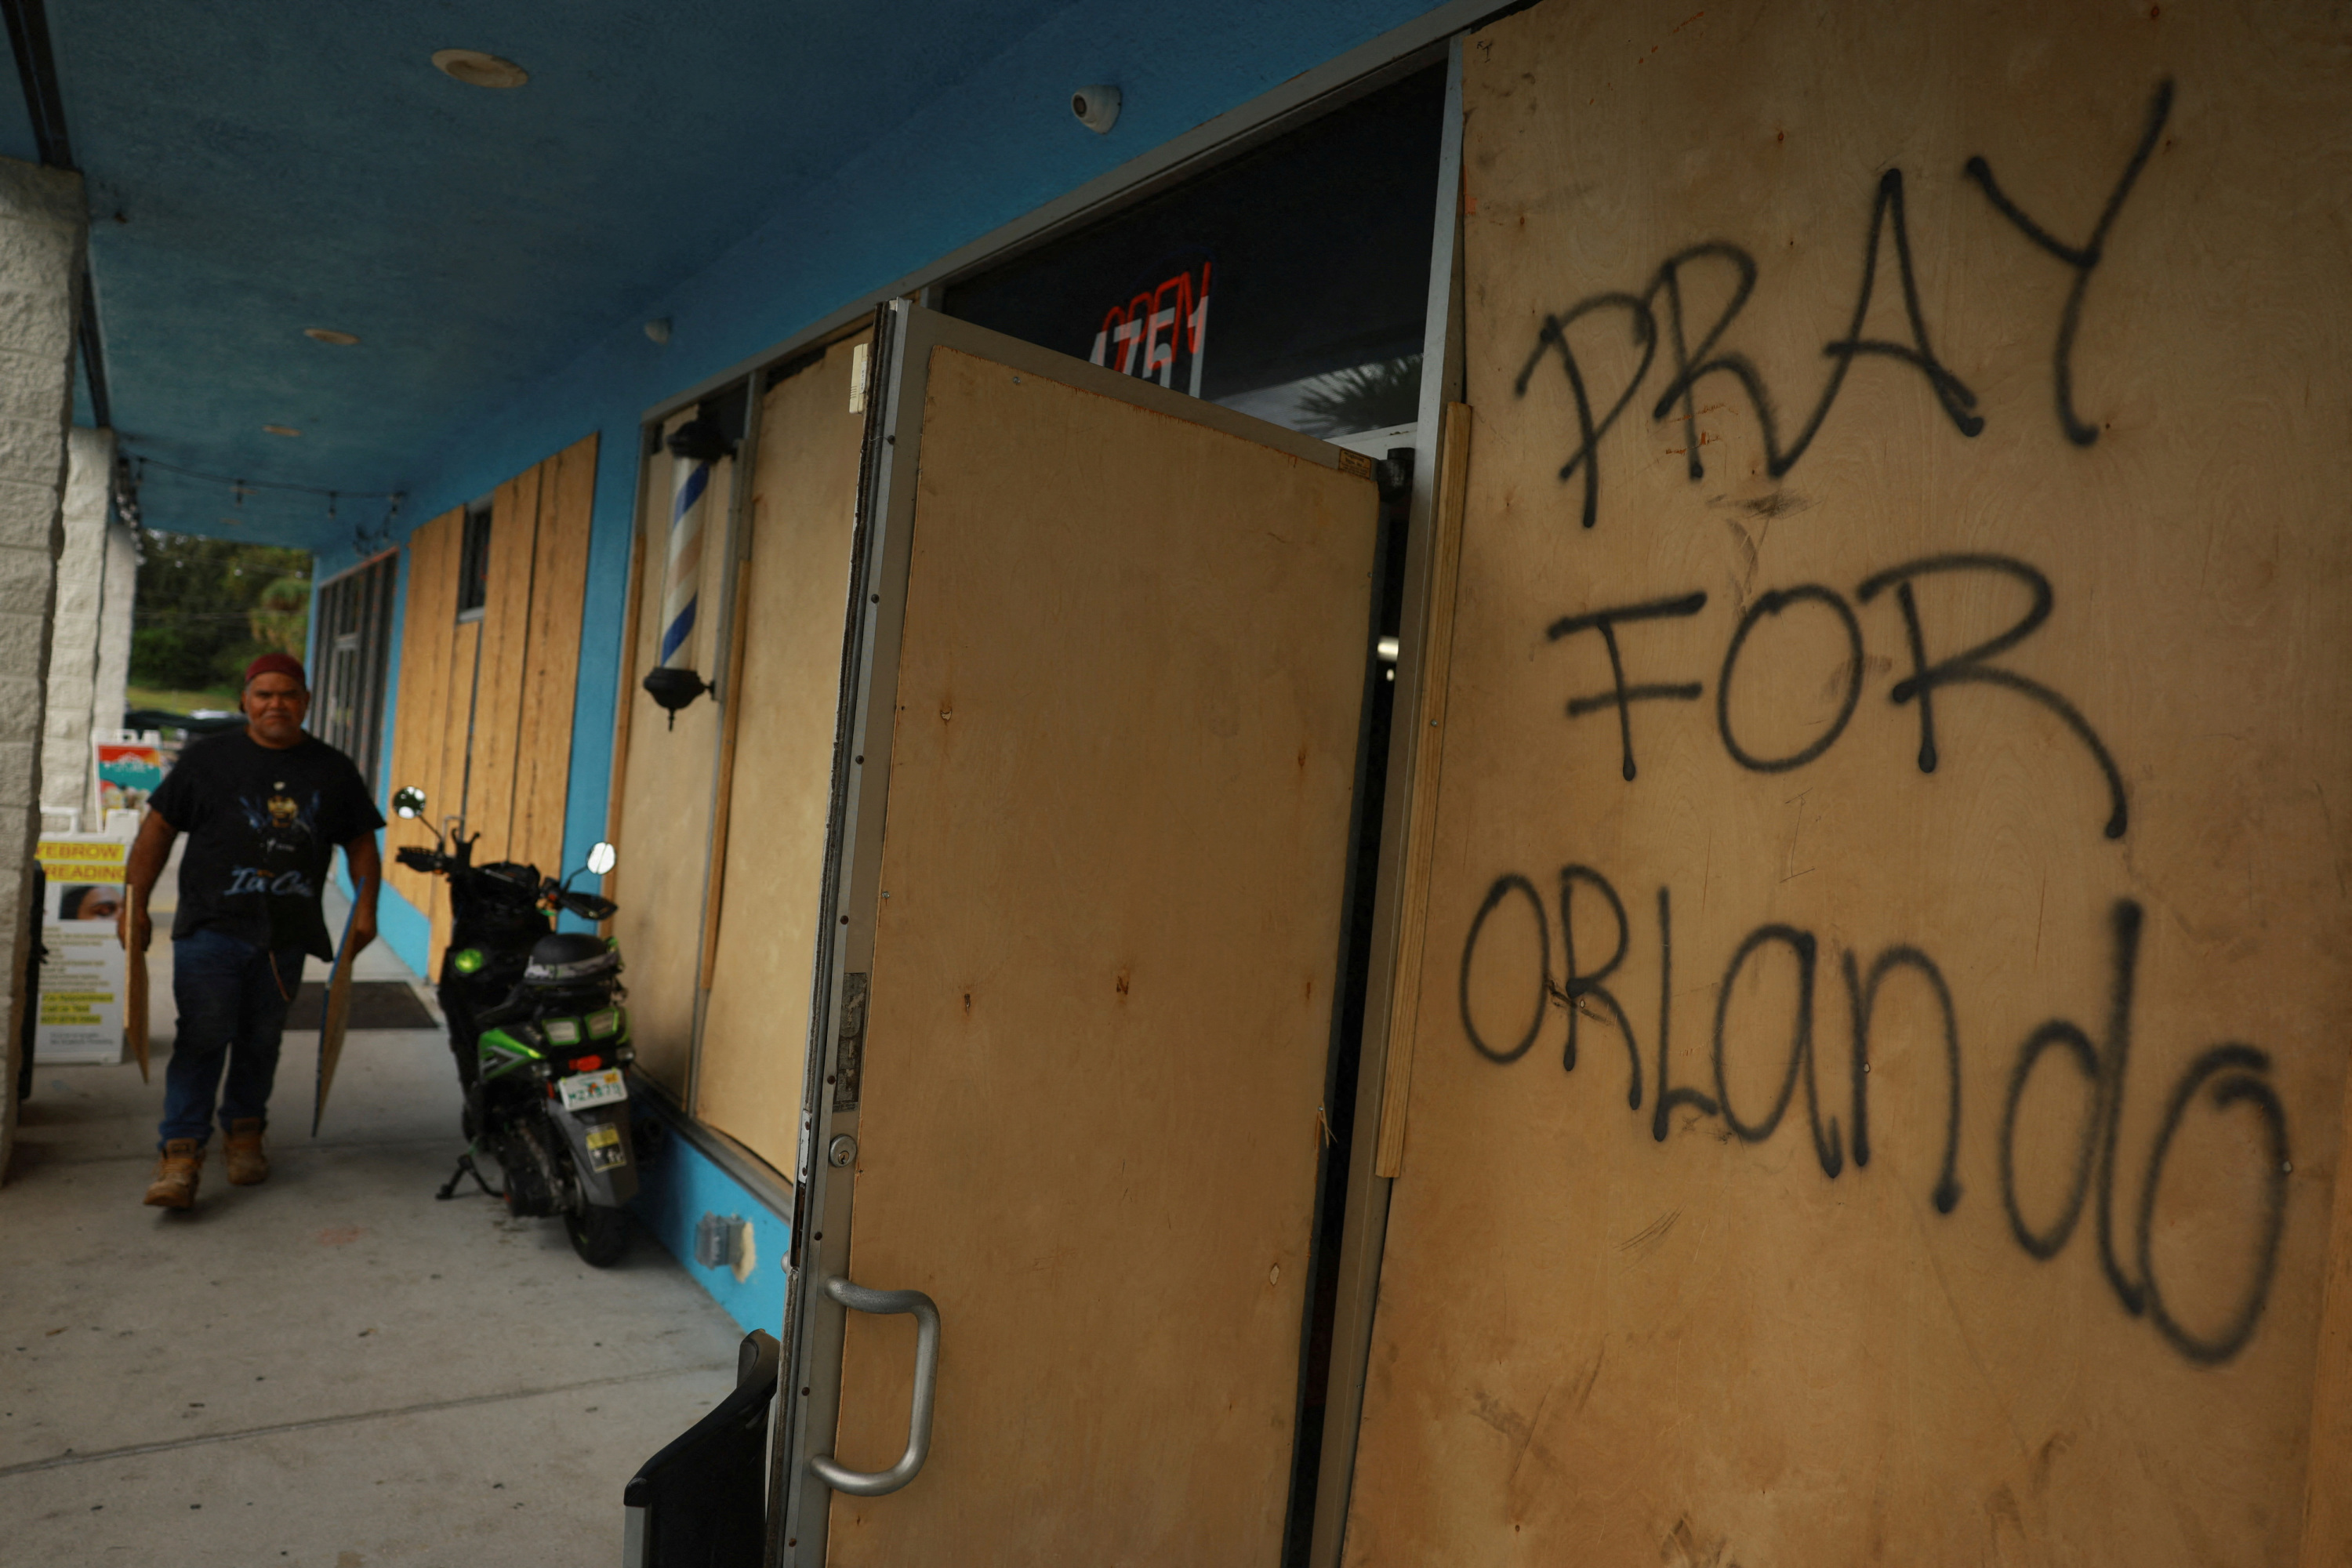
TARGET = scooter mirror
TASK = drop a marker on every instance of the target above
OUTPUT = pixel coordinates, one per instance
(601, 859)
(408, 804)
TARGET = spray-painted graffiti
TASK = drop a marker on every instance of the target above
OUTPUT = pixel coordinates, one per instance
(1771, 1056)
(2224, 1078)
(2084, 258)
(1654, 317)
(1969, 666)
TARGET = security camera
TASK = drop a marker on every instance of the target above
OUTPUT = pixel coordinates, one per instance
(1096, 106)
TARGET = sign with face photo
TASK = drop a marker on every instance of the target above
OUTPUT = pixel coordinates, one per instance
(80, 1017)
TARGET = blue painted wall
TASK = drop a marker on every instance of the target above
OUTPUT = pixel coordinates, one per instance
(678, 1189)
(997, 144)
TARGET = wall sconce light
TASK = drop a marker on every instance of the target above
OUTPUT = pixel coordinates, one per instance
(695, 449)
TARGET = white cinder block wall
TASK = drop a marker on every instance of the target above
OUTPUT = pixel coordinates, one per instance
(42, 227)
(111, 692)
(77, 632)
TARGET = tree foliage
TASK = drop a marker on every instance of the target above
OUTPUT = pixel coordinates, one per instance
(207, 608)
(1367, 397)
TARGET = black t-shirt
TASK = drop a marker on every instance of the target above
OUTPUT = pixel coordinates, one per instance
(262, 829)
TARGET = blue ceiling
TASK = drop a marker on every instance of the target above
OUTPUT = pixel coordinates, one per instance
(259, 168)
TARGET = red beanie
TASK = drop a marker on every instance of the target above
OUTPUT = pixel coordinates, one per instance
(277, 664)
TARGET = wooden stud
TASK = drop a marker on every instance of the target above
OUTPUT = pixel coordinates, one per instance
(1428, 716)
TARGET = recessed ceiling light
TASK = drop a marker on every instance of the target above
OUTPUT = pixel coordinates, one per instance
(328, 335)
(281, 430)
(476, 69)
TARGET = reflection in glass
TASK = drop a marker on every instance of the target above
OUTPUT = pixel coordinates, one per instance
(1290, 283)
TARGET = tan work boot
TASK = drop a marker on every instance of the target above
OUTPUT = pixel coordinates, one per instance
(174, 1186)
(247, 1165)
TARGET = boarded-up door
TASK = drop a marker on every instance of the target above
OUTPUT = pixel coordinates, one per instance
(1879, 1065)
(1114, 646)
(759, 958)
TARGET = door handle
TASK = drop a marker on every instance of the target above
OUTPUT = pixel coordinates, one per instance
(875, 1483)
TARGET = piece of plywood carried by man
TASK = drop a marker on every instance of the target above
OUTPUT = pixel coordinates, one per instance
(334, 1022)
(1112, 650)
(1879, 1071)
(135, 1003)
(786, 698)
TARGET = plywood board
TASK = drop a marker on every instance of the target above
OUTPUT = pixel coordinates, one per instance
(1428, 715)
(625, 695)
(803, 505)
(452, 794)
(423, 685)
(136, 1011)
(334, 1021)
(2328, 1483)
(498, 687)
(1877, 390)
(664, 834)
(552, 654)
(730, 723)
(1115, 856)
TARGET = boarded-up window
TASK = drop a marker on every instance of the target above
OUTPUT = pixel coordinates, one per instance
(1879, 1068)
(350, 673)
(484, 722)
(662, 809)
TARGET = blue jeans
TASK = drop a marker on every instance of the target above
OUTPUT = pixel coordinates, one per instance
(233, 998)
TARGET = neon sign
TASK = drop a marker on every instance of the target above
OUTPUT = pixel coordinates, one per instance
(1148, 334)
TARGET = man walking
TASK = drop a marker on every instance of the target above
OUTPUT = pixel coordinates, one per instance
(263, 808)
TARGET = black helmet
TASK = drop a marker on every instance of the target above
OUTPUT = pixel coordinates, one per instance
(570, 958)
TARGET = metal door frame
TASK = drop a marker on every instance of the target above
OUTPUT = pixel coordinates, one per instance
(1363, 1237)
(815, 1323)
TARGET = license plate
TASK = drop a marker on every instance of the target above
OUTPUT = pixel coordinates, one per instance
(582, 1090)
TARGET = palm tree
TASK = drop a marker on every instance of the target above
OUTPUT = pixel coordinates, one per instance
(1368, 397)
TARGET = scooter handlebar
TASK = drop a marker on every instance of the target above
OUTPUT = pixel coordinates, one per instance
(589, 906)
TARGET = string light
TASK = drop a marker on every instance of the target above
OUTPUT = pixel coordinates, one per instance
(365, 541)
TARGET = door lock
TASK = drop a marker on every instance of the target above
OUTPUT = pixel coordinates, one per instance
(841, 1151)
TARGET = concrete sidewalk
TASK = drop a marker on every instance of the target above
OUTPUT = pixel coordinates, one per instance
(330, 1369)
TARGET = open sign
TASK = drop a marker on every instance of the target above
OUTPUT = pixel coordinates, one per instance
(1145, 336)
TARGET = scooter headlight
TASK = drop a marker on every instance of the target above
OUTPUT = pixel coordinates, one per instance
(603, 1023)
(561, 1031)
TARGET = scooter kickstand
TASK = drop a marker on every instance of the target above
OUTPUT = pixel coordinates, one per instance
(466, 1167)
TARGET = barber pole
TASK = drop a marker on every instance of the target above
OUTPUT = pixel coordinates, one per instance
(681, 591)
(694, 448)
